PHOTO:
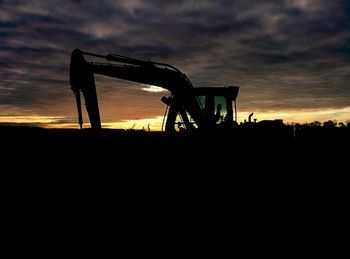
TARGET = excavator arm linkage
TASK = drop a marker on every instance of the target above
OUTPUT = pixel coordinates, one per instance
(184, 101)
(146, 72)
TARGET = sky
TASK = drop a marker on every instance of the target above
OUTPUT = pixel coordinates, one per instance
(291, 58)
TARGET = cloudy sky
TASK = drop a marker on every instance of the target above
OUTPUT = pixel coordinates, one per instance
(291, 58)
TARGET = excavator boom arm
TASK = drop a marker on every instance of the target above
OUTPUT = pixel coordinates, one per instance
(146, 72)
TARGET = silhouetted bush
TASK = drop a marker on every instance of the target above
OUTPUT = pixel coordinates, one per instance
(341, 125)
(330, 124)
(315, 124)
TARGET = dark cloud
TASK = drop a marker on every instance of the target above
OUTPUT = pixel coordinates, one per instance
(288, 54)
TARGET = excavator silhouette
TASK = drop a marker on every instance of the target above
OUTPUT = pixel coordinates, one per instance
(189, 108)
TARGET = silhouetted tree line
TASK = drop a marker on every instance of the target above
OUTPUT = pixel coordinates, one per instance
(329, 130)
(326, 124)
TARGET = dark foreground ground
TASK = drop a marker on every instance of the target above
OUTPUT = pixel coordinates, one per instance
(255, 160)
(246, 184)
(122, 151)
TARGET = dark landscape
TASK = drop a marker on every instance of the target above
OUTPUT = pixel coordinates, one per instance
(314, 145)
(261, 178)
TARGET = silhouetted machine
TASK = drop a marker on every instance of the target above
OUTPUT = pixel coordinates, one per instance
(190, 108)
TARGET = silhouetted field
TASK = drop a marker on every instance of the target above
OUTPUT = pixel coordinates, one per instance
(248, 171)
(121, 146)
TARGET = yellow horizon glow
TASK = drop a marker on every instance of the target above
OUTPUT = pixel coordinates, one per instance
(29, 119)
(155, 123)
(300, 116)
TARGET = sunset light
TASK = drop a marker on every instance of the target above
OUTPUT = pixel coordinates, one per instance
(290, 58)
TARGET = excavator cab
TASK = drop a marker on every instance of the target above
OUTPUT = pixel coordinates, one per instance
(219, 105)
(217, 109)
